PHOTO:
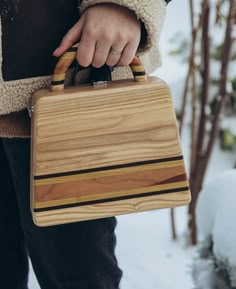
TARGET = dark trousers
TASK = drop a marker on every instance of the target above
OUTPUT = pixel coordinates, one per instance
(73, 256)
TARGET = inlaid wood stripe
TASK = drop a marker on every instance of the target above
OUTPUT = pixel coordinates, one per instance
(139, 73)
(123, 171)
(57, 82)
(104, 210)
(182, 189)
(137, 68)
(58, 77)
(107, 185)
(77, 172)
(94, 196)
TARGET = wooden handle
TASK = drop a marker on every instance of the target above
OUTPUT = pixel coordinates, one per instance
(63, 64)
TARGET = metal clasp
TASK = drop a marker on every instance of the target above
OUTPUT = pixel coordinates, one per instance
(99, 83)
(30, 110)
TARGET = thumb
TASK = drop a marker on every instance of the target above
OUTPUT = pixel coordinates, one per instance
(71, 37)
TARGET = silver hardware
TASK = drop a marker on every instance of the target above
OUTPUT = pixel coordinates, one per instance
(99, 83)
(30, 110)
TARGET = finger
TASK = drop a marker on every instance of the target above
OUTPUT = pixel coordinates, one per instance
(101, 53)
(128, 54)
(72, 36)
(114, 58)
(85, 52)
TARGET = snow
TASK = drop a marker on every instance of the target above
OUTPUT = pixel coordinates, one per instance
(203, 273)
(229, 123)
(216, 216)
(147, 255)
(206, 277)
(216, 199)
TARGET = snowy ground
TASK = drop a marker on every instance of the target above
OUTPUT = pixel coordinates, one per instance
(145, 251)
(147, 255)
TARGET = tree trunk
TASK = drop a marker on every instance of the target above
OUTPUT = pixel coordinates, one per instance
(205, 143)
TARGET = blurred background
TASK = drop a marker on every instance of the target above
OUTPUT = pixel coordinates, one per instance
(192, 247)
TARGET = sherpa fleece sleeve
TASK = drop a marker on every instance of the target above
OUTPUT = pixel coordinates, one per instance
(150, 12)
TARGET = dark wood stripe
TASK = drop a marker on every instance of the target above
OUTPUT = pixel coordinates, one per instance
(139, 73)
(57, 82)
(111, 199)
(92, 170)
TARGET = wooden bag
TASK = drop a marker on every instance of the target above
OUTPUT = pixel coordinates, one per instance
(100, 151)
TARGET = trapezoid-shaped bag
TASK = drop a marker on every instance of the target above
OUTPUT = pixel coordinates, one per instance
(104, 150)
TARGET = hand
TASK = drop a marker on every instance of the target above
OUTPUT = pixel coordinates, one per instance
(101, 28)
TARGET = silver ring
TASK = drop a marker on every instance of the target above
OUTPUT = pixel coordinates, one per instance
(113, 51)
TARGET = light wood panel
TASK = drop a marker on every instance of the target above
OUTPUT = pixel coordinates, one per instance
(103, 210)
(120, 125)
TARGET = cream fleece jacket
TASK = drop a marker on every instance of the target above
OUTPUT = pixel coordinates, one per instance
(15, 95)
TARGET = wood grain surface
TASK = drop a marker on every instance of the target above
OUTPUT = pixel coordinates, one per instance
(103, 210)
(120, 125)
(105, 151)
(88, 187)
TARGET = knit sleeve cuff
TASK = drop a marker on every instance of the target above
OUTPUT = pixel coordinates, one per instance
(150, 12)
